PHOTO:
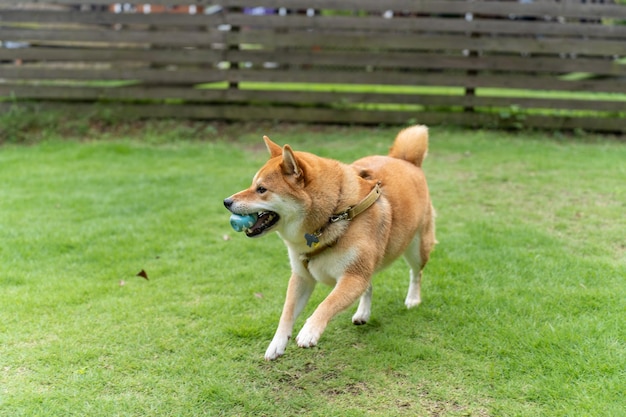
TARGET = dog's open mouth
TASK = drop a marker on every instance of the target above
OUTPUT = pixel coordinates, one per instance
(265, 221)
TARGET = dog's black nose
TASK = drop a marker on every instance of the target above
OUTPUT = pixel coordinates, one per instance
(228, 202)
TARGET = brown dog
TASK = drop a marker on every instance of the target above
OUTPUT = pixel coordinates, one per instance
(341, 224)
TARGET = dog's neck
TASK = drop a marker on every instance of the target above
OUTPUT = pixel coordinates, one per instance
(313, 239)
(327, 236)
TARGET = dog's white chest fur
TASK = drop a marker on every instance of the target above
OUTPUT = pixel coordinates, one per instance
(326, 267)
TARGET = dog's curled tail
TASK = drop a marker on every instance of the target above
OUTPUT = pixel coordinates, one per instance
(411, 144)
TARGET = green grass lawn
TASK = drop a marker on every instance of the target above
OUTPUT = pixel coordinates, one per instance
(524, 298)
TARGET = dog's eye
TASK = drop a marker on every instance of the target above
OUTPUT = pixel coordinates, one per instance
(261, 190)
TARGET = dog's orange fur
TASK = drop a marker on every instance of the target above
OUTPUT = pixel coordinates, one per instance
(305, 190)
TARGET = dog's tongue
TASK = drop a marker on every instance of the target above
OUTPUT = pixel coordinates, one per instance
(258, 226)
(265, 220)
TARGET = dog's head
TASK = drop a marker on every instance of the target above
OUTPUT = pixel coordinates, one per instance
(274, 193)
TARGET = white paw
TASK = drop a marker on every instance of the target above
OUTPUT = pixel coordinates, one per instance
(360, 318)
(276, 348)
(411, 302)
(308, 336)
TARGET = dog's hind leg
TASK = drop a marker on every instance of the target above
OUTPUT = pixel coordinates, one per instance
(417, 255)
(413, 258)
(364, 310)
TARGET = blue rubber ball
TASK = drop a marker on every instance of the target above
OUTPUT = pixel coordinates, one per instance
(241, 222)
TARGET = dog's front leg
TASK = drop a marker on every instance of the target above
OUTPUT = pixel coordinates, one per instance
(346, 292)
(298, 293)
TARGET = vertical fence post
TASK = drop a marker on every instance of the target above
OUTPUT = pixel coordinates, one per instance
(233, 65)
(472, 53)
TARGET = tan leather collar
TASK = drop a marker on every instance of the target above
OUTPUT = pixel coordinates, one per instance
(363, 205)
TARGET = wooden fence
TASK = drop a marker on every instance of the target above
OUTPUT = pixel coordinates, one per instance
(546, 64)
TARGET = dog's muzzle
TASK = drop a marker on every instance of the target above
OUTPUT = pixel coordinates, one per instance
(265, 220)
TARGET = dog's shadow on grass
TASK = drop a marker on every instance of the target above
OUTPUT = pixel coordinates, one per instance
(392, 322)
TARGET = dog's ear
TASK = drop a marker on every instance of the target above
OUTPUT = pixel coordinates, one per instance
(273, 148)
(290, 163)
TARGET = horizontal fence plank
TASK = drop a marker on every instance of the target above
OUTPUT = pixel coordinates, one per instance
(490, 8)
(430, 24)
(302, 97)
(98, 17)
(352, 23)
(109, 37)
(417, 60)
(143, 55)
(181, 76)
(365, 41)
(351, 41)
(162, 76)
(354, 60)
(430, 79)
(308, 115)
